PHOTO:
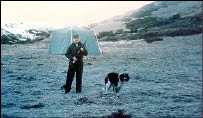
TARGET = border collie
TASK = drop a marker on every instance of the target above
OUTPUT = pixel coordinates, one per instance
(116, 81)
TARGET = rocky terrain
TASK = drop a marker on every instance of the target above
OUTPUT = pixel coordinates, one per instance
(19, 32)
(166, 80)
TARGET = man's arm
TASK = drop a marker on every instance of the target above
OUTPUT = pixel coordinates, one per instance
(69, 54)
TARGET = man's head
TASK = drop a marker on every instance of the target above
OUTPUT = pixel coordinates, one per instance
(76, 38)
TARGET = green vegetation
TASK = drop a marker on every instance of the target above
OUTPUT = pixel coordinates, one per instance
(154, 28)
(144, 23)
(175, 17)
(152, 39)
(120, 31)
(149, 22)
(105, 33)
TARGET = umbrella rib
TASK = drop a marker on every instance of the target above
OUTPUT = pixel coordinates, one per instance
(71, 34)
(70, 37)
(97, 40)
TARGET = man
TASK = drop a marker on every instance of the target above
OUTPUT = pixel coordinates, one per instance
(75, 54)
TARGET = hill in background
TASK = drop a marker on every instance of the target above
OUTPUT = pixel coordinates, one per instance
(153, 21)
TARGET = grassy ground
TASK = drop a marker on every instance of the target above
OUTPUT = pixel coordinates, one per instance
(166, 80)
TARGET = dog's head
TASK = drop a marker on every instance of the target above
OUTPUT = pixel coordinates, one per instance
(124, 77)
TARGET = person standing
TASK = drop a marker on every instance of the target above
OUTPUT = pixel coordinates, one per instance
(75, 54)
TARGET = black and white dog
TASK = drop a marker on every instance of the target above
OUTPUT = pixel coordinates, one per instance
(116, 81)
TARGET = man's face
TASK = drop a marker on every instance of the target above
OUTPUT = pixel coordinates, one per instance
(76, 40)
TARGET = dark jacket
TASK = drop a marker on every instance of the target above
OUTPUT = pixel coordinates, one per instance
(73, 50)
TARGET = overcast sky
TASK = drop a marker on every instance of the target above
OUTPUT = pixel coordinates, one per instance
(65, 12)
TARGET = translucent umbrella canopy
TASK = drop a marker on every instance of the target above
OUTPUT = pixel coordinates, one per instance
(61, 39)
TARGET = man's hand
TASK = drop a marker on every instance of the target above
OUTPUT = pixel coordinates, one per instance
(82, 49)
(75, 59)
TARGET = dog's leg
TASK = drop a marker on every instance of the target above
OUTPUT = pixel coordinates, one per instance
(107, 87)
(117, 91)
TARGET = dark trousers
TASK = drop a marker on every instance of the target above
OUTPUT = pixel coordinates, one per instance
(77, 68)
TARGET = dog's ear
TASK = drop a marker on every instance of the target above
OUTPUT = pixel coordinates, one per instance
(121, 77)
(127, 76)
